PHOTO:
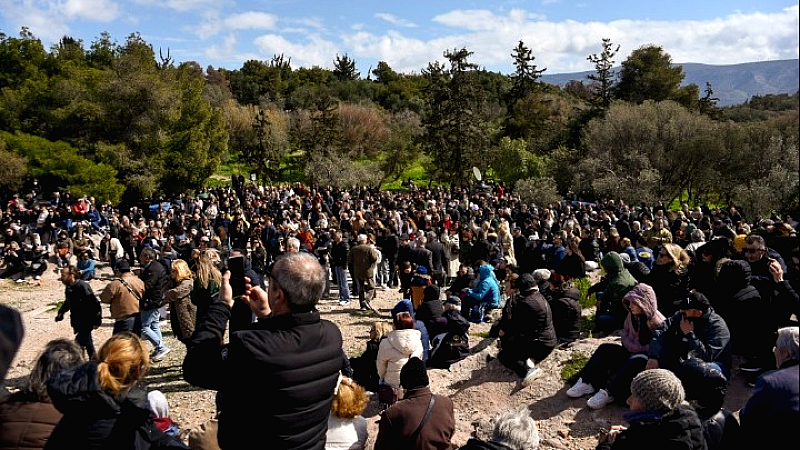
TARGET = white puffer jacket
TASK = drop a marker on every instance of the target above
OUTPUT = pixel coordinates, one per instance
(394, 352)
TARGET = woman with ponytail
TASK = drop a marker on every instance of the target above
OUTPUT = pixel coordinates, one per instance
(103, 405)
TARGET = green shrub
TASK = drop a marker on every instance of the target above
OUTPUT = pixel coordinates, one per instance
(583, 285)
(573, 367)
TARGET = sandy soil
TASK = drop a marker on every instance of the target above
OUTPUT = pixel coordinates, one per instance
(480, 387)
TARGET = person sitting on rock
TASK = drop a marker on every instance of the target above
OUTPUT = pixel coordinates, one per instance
(611, 368)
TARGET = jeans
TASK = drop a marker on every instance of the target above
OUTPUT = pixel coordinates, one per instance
(132, 323)
(151, 330)
(341, 280)
(84, 338)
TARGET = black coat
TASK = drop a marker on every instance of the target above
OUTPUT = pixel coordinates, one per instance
(710, 341)
(453, 345)
(156, 283)
(566, 309)
(430, 313)
(96, 419)
(291, 364)
(83, 305)
(365, 370)
(531, 321)
(678, 429)
(670, 287)
(438, 257)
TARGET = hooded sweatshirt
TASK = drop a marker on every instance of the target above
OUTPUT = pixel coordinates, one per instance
(638, 330)
(395, 351)
(488, 290)
(620, 281)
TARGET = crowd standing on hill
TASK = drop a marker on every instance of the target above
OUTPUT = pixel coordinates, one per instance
(685, 289)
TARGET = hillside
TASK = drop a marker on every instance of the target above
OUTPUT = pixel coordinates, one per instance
(733, 84)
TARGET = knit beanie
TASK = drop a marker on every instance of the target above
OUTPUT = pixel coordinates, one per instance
(658, 389)
(413, 375)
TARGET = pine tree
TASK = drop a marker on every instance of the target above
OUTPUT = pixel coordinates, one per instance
(604, 77)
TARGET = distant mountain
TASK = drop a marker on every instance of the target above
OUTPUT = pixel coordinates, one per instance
(733, 84)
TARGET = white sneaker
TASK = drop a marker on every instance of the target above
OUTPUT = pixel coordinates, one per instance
(161, 354)
(599, 400)
(580, 389)
(37, 278)
(531, 376)
(344, 302)
(20, 280)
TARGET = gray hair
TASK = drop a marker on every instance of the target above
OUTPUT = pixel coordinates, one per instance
(293, 243)
(58, 355)
(788, 341)
(361, 238)
(517, 430)
(148, 253)
(698, 235)
(754, 239)
(301, 279)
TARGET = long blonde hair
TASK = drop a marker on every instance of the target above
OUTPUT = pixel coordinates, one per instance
(207, 270)
(182, 271)
(123, 361)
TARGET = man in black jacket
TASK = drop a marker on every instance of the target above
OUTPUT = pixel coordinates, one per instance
(696, 331)
(276, 378)
(439, 258)
(156, 283)
(83, 306)
(339, 255)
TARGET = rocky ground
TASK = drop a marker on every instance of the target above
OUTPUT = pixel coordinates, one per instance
(479, 386)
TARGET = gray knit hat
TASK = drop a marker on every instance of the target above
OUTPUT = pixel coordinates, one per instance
(658, 389)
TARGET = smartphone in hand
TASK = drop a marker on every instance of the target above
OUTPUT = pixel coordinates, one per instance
(236, 267)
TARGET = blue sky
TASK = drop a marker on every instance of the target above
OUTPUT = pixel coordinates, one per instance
(411, 33)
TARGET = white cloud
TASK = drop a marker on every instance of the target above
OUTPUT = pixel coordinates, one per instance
(180, 5)
(482, 19)
(394, 20)
(97, 10)
(314, 51)
(251, 20)
(563, 46)
(49, 19)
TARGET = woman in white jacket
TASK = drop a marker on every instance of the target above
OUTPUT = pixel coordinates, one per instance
(394, 351)
(347, 429)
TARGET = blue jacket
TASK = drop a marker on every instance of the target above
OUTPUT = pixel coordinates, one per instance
(488, 290)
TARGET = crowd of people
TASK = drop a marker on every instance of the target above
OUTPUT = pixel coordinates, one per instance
(693, 294)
